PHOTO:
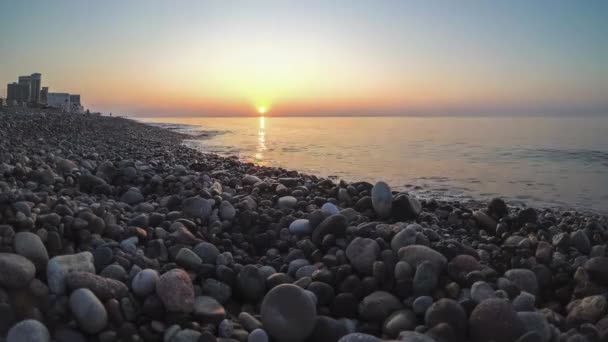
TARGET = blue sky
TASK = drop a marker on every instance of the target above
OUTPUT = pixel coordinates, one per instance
(316, 57)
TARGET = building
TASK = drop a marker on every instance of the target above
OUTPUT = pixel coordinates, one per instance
(24, 89)
(35, 82)
(12, 93)
(44, 93)
(75, 106)
(59, 100)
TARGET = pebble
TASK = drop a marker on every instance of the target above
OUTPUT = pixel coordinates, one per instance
(416, 254)
(362, 253)
(104, 288)
(258, 335)
(288, 313)
(61, 265)
(144, 282)
(300, 227)
(88, 311)
(287, 202)
(382, 200)
(16, 270)
(485, 327)
(399, 321)
(30, 246)
(29, 330)
(524, 279)
(250, 283)
(421, 304)
(207, 252)
(329, 209)
(447, 311)
(378, 305)
(174, 288)
(208, 309)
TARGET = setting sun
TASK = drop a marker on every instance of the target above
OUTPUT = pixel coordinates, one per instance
(262, 109)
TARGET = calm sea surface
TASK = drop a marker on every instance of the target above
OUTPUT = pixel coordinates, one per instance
(557, 162)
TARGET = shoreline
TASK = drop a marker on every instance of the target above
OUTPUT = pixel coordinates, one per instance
(111, 228)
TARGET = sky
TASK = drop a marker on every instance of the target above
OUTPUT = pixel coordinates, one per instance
(347, 57)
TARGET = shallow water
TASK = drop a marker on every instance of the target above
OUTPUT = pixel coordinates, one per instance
(557, 162)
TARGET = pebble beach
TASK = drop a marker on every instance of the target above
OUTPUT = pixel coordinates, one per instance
(112, 230)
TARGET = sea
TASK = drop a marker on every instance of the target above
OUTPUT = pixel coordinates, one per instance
(556, 162)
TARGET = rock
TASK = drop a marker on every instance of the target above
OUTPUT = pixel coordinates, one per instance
(524, 279)
(359, 337)
(421, 304)
(416, 254)
(104, 288)
(16, 271)
(378, 305)
(227, 211)
(208, 309)
(132, 197)
(327, 329)
(404, 238)
(485, 221)
(89, 312)
(207, 252)
(425, 278)
(447, 311)
(30, 246)
(92, 184)
(174, 288)
(287, 202)
(597, 269)
(334, 224)
(186, 335)
(61, 265)
(250, 180)
(412, 336)
(534, 321)
(406, 207)
(257, 335)
(461, 265)
(250, 283)
(216, 289)
(481, 291)
(144, 282)
(29, 330)
(382, 200)
(329, 209)
(196, 207)
(362, 253)
(495, 320)
(524, 302)
(225, 329)
(580, 241)
(527, 215)
(399, 321)
(65, 166)
(300, 227)
(187, 258)
(587, 310)
(288, 313)
(497, 208)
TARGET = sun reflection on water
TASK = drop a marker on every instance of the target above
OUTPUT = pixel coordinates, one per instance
(261, 146)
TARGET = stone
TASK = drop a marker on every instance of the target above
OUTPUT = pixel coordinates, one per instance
(416, 254)
(61, 265)
(250, 283)
(250, 180)
(382, 200)
(227, 211)
(327, 329)
(404, 238)
(329, 209)
(92, 184)
(425, 278)
(399, 321)
(480, 291)
(174, 288)
(406, 207)
(225, 329)
(587, 310)
(534, 321)
(421, 304)
(524, 302)
(208, 309)
(196, 207)
(362, 253)
(65, 166)
(16, 271)
(29, 330)
(216, 289)
(524, 279)
(187, 258)
(287, 202)
(288, 313)
(30, 246)
(207, 252)
(580, 241)
(186, 335)
(485, 221)
(497, 208)
(257, 335)
(334, 224)
(144, 282)
(103, 288)
(300, 227)
(359, 337)
(89, 312)
(495, 320)
(597, 269)
(132, 197)
(378, 305)
(461, 265)
(447, 311)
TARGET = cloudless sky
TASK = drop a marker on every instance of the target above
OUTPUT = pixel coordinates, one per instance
(348, 57)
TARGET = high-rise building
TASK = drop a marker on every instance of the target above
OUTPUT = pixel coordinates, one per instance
(44, 93)
(59, 100)
(12, 93)
(35, 82)
(24, 89)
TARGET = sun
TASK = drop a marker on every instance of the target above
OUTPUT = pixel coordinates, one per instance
(262, 110)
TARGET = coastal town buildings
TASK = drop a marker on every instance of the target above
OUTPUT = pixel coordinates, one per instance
(28, 91)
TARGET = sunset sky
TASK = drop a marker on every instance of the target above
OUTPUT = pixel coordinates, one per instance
(349, 57)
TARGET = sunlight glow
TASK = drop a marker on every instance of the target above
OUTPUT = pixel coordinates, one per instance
(262, 110)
